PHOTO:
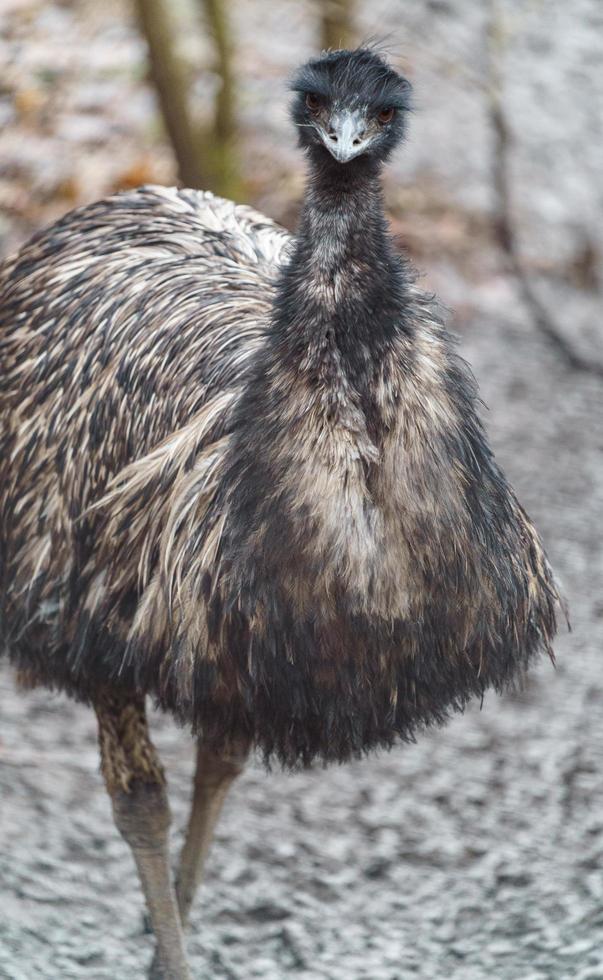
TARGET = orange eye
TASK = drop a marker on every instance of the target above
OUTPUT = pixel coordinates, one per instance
(385, 116)
(312, 101)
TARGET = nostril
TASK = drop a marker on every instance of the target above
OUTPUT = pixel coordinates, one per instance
(332, 137)
(356, 141)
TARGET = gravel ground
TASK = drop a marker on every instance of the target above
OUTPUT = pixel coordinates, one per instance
(477, 853)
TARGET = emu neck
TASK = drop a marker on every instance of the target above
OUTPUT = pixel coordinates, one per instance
(341, 222)
(344, 284)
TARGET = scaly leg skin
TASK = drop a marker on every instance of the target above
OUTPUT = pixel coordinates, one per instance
(214, 775)
(136, 784)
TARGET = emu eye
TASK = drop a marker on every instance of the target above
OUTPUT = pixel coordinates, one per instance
(385, 116)
(312, 101)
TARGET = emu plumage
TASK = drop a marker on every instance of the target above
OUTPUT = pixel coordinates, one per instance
(244, 473)
(301, 538)
(143, 312)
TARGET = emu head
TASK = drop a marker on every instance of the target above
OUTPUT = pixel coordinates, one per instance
(350, 104)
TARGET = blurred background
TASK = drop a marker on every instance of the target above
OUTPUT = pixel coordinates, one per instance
(478, 852)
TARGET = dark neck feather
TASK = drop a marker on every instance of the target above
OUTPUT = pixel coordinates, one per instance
(345, 285)
(342, 220)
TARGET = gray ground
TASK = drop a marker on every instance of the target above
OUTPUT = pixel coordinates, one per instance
(476, 853)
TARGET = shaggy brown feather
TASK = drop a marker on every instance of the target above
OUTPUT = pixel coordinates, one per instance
(275, 535)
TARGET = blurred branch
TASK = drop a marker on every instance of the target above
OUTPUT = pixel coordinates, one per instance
(206, 156)
(504, 227)
(337, 24)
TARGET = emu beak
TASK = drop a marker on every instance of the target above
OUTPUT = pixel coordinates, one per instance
(344, 137)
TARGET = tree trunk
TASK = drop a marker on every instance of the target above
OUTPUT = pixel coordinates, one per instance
(337, 24)
(171, 82)
(221, 140)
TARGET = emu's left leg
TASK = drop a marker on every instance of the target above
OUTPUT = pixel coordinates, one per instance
(135, 782)
(215, 773)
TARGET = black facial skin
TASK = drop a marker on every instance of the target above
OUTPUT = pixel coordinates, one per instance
(354, 86)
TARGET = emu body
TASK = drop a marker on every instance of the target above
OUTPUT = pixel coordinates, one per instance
(244, 473)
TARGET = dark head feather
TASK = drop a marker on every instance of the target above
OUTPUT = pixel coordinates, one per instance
(350, 85)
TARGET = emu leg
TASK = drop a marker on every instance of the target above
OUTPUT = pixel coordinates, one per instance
(215, 773)
(136, 784)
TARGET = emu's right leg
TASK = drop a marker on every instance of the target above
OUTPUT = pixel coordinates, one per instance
(136, 784)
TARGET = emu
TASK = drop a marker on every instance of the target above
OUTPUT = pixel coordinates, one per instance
(244, 474)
